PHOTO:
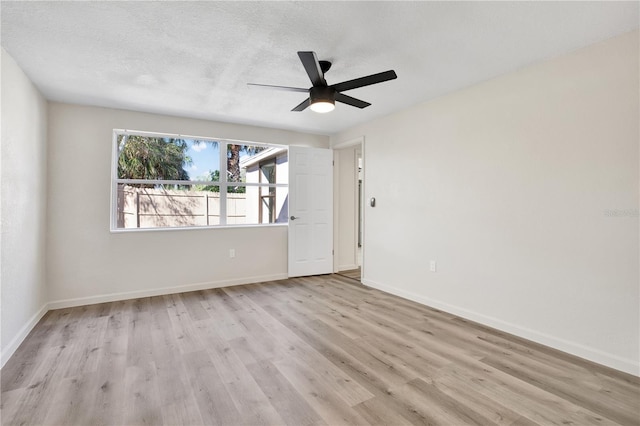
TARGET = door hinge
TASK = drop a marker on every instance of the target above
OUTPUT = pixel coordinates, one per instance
(332, 253)
(333, 162)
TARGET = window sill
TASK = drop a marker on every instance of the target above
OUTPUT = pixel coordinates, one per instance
(197, 228)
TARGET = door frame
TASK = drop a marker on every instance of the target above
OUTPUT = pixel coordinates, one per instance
(350, 143)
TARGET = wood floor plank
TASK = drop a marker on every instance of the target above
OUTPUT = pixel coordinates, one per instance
(142, 406)
(214, 402)
(183, 324)
(10, 403)
(252, 404)
(523, 421)
(193, 304)
(567, 388)
(322, 350)
(109, 399)
(177, 400)
(89, 338)
(21, 366)
(302, 352)
(489, 408)
(321, 397)
(624, 386)
(353, 274)
(222, 313)
(540, 407)
(139, 347)
(257, 344)
(437, 406)
(42, 388)
(376, 412)
(293, 408)
(72, 395)
(368, 367)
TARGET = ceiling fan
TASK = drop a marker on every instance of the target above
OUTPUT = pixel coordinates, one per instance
(322, 97)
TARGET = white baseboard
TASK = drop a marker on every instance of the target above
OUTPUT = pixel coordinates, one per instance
(573, 348)
(22, 334)
(112, 297)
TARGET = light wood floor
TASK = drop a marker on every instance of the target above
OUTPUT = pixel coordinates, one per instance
(354, 274)
(320, 350)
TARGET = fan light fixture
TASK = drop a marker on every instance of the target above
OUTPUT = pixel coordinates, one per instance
(322, 107)
(322, 99)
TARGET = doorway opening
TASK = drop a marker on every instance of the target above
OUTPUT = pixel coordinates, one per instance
(349, 212)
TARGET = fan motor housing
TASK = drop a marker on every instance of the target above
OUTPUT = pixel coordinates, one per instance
(322, 94)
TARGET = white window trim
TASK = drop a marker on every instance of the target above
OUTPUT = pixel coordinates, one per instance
(223, 182)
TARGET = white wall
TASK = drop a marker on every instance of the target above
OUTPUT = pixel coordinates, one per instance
(87, 263)
(23, 208)
(509, 185)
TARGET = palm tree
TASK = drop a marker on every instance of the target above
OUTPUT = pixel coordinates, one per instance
(233, 163)
(143, 157)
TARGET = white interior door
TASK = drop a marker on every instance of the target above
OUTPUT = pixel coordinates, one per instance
(310, 211)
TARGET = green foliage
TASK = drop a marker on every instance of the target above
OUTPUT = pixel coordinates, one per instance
(143, 157)
(214, 175)
(237, 189)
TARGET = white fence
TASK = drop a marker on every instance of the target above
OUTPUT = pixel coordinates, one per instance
(154, 208)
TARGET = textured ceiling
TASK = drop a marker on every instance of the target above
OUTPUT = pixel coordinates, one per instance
(194, 59)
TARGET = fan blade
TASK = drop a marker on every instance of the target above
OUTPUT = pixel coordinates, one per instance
(312, 66)
(303, 105)
(341, 97)
(365, 81)
(285, 88)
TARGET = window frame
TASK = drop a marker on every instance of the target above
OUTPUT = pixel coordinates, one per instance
(222, 183)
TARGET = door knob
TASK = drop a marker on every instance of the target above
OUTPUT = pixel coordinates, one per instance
(294, 218)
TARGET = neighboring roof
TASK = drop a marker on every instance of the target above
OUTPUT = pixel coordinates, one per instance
(262, 156)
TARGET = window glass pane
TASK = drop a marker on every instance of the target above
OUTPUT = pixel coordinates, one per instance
(144, 157)
(237, 208)
(165, 158)
(282, 168)
(266, 205)
(282, 205)
(203, 158)
(149, 207)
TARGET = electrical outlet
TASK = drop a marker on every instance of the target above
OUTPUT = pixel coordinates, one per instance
(432, 266)
(232, 253)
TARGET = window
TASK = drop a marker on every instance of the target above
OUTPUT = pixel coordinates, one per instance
(174, 181)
